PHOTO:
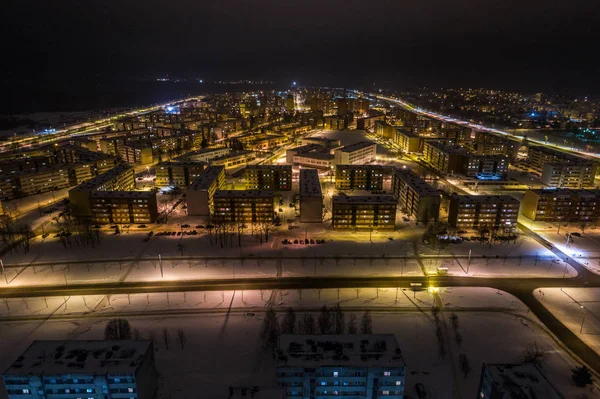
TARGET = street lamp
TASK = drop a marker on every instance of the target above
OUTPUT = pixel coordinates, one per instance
(582, 320)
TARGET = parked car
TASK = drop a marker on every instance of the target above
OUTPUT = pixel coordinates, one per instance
(142, 226)
(185, 226)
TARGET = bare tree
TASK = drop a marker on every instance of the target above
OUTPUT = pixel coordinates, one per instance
(166, 337)
(288, 325)
(325, 323)
(340, 319)
(181, 338)
(307, 325)
(366, 324)
(117, 329)
(534, 353)
(270, 329)
(136, 334)
(465, 367)
(352, 324)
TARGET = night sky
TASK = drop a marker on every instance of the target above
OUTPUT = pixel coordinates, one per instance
(528, 44)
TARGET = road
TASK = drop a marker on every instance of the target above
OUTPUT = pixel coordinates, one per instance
(449, 119)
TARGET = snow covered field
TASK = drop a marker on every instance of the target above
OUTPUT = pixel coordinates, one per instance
(576, 308)
(223, 346)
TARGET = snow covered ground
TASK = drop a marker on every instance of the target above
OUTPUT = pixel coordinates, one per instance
(223, 346)
(576, 308)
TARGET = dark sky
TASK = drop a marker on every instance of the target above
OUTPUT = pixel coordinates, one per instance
(526, 44)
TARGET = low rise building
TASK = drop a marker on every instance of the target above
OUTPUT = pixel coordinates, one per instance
(562, 205)
(178, 173)
(569, 175)
(507, 381)
(234, 159)
(492, 212)
(356, 154)
(311, 197)
(356, 366)
(359, 177)
(268, 177)
(123, 207)
(206, 154)
(83, 369)
(199, 195)
(372, 212)
(247, 206)
(486, 167)
(415, 196)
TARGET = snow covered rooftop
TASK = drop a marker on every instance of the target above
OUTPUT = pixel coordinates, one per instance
(360, 350)
(80, 357)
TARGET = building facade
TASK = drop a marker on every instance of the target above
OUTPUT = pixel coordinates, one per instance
(356, 154)
(83, 369)
(562, 205)
(492, 212)
(268, 177)
(374, 212)
(199, 195)
(359, 177)
(178, 173)
(415, 196)
(247, 206)
(123, 207)
(311, 197)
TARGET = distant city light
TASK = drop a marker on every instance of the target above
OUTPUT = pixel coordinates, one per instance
(293, 83)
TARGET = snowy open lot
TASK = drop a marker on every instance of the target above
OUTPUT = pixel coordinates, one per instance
(576, 308)
(223, 346)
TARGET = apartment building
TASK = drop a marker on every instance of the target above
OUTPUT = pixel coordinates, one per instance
(234, 159)
(356, 366)
(581, 172)
(199, 195)
(356, 154)
(415, 196)
(311, 197)
(384, 129)
(41, 180)
(268, 177)
(504, 381)
(562, 205)
(119, 178)
(448, 159)
(248, 206)
(486, 167)
(178, 173)
(123, 207)
(83, 369)
(407, 140)
(492, 212)
(373, 212)
(569, 175)
(136, 153)
(206, 154)
(359, 177)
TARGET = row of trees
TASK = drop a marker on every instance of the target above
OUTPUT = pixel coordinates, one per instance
(329, 321)
(120, 329)
(14, 236)
(222, 231)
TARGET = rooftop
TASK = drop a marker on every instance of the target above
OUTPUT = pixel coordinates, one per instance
(244, 194)
(232, 155)
(364, 199)
(360, 350)
(208, 176)
(310, 186)
(123, 194)
(104, 177)
(357, 146)
(269, 167)
(523, 381)
(485, 198)
(77, 357)
(415, 182)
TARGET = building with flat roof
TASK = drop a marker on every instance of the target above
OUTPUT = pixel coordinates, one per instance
(384, 129)
(415, 196)
(234, 159)
(206, 154)
(492, 212)
(486, 167)
(569, 175)
(324, 142)
(359, 177)
(445, 158)
(372, 212)
(87, 369)
(356, 154)
(123, 207)
(358, 366)
(407, 140)
(199, 195)
(562, 205)
(177, 173)
(508, 381)
(119, 178)
(248, 206)
(268, 177)
(311, 197)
